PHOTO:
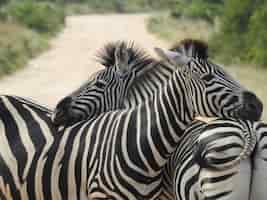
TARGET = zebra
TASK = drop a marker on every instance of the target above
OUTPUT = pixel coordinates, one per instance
(94, 96)
(218, 160)
(151, 75)
(259, 163)
(118, 155)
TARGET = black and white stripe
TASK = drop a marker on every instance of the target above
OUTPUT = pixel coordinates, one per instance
(105, 90)
(217, 160)
(119, 155)
(214, 92)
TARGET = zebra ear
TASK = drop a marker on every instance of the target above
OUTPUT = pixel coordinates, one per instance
(172, 57)
(122, 58)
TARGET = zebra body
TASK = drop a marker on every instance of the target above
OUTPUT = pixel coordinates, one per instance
(94, 157)
(192, 174)
(119, 155)
(56, 164)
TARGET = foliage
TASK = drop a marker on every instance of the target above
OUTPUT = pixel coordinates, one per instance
(257, 36)
(198, 9)
(17, 45)
(173, 30)
(118, 6)
(25, 27)
(163, 26)
(243, 32)
(43, 17)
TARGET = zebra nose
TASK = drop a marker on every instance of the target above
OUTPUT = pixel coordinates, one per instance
(61, 114)
(252, 106)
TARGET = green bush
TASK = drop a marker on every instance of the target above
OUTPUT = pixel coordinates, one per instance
(243, 32)
(25, 27)
(257, 36)
(198, 9)
(117, 6)
(17, 45)
(43, 17)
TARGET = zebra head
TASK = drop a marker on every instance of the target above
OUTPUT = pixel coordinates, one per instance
(104, 91)
(212, 90)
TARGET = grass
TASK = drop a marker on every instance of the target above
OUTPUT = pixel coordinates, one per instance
(78, 9)
(105, 7)
(173, 30)
(17, 45)
(25, 28)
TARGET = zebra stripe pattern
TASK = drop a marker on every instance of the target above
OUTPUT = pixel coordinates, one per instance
(119, 155)
(53, 162)
(105, 90)
(204, 164)
(217, 95)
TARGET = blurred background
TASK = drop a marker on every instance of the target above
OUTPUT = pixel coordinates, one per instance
(47, 47)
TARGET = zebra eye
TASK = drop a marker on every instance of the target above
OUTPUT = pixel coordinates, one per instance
(207, 77)
(100, 84)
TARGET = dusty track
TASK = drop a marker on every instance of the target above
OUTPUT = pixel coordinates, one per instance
(70, 59)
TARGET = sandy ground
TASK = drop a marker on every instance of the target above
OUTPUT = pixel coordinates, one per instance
(70, 60)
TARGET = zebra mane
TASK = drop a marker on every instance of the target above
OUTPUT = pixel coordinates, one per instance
(106, 56)
(192, 48)
(30, 102)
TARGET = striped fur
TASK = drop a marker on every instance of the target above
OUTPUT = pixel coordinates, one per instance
(190, 174)
(118, 155)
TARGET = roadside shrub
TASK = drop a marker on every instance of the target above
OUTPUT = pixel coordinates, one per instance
(257, 36)
(198, 9)
(78, 9)
(17, 45)
(43, 17)
(243, 33)
(117, 6)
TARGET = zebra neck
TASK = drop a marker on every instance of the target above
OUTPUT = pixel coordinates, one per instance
(177, 98)
(163, 120)
(147, 83)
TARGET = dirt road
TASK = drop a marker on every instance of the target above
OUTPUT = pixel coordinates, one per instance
(70, 59)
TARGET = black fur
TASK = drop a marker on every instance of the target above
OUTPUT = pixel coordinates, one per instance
(106, 56)
(198, 48)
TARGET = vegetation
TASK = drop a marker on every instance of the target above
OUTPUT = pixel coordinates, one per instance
(43, 17)
(173, 30)
(243, 32)
(207, 10)
(25, 27)
(119, 6)
(17, 45)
